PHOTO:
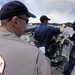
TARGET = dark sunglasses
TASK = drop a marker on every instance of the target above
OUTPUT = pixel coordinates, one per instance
(20, 18)
(24, 19)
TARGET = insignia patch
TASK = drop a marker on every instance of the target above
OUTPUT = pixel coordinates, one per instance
(2, 64)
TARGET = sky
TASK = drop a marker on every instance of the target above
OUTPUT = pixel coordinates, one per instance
(59, 11)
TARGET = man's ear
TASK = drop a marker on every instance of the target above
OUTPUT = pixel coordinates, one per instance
(14, 21)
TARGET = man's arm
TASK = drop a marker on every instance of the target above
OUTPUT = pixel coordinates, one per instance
(43, 65)
(62, 28)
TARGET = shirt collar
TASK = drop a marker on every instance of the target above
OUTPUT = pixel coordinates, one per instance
(8, 35)
(43, 24)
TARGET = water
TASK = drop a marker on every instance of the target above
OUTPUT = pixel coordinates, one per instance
(27, 38)
(69, 30)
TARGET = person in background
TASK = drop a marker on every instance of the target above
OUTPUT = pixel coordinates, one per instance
(44, 33)
(16, 57)
(71, 65)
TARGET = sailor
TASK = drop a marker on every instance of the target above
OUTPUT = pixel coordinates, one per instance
(71, 65)
(43, 34)
(16, 57)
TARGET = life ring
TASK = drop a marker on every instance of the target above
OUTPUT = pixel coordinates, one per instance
(62, 41)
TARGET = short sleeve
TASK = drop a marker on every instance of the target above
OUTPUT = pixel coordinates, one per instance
(43, 65)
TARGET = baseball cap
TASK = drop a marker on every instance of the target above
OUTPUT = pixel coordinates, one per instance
(43, 17)
(14, 8)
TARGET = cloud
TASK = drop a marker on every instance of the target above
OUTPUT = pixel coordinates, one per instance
(58, 10)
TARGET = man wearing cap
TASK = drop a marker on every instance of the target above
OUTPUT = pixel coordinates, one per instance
(43, 34)
(16, 57)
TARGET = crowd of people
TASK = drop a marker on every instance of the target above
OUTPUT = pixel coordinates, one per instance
(17, 57)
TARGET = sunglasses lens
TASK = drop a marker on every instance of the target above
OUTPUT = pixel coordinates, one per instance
(24, 19)
(27, 21)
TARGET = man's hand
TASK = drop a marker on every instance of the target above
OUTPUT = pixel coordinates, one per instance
(62, 28)
(64, 25)
(74, 56)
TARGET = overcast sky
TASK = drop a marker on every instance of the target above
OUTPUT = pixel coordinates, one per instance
(58, 11)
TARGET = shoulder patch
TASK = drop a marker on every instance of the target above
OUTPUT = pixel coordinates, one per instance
(2, 64)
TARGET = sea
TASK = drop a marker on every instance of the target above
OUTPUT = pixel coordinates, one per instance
(27, 39)
(69, 30)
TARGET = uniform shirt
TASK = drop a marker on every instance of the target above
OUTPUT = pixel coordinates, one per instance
(20, 58)
(71, 59)
(44, 33)
(73, 49)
